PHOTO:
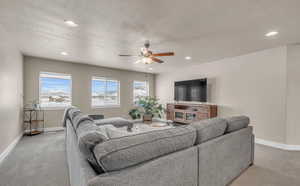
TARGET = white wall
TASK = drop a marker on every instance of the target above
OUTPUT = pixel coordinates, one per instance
(253, 85)
(293, 95)
(11, 91)
(81, 86)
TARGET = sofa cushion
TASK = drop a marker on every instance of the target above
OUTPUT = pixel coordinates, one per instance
(73, 112)
(209, 129)
(236, 123)
(79, 118)
(96, 116)
(89, 135)
(113, 132)
(127, 151)
(115, 121)
(69, 113)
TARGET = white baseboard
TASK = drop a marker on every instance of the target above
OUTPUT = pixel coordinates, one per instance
(50, 129)
(10, 147)
(277, 145)
(54, 129)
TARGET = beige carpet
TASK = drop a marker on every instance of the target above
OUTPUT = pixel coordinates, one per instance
(40, 161)
(36, 161)
(272, 167)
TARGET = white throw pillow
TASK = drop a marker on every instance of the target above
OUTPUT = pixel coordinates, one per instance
(114, 132)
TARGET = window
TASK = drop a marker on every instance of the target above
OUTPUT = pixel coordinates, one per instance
(55, 90)
(140, 89)
(105, 92)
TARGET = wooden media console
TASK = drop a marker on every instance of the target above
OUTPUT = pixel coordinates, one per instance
(186, 113)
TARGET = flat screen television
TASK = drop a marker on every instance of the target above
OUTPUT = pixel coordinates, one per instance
(191, 90)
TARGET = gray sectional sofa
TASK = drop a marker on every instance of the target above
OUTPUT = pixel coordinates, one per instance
(206, 153)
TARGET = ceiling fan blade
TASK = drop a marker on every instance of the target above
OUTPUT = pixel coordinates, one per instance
(164, 54)
(157, 60)
(126, 55)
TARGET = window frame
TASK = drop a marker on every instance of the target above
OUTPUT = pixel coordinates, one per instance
(105, 105)
(40, 88)
(133, 89)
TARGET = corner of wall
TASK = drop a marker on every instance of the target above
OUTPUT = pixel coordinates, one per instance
(292, 94)
(286, 86)
(11, 94)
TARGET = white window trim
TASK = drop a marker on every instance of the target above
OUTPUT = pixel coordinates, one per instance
(56, 107)
(147, 84)
(105, 105)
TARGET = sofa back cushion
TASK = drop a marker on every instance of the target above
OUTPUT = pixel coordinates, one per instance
(236, 123)
(115, 121)
(74, 111)
(69, 114)
(89, 135)
(127, 151)
(209, 129)
(79, 118)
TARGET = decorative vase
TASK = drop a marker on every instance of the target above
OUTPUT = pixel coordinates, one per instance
(36, 106)
(147, 118)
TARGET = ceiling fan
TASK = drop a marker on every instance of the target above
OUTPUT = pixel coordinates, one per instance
(148, 57)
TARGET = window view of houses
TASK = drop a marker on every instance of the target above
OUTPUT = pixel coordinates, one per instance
(55, 90)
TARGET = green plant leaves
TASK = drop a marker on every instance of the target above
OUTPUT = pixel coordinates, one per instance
(147, 105)
(135, 113)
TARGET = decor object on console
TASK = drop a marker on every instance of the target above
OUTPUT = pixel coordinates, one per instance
(148, 107)
(187, 113)
(35, 105)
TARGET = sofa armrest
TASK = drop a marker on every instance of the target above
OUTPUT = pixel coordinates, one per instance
(252, 149)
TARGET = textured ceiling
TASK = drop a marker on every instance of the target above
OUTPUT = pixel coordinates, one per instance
(206, 30)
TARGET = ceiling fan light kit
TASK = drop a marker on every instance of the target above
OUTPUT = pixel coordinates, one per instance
(148, 57)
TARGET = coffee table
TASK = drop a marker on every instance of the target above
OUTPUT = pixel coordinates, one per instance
(157, 124)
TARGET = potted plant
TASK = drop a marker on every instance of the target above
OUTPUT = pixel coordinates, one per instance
(135, 113)
(148, 107)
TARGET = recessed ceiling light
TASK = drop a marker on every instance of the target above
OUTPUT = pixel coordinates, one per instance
(272, 33)
(71, 23)
(64, 53)
(150, 68)
(188, 57)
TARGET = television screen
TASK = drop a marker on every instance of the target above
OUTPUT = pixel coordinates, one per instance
(192, 90)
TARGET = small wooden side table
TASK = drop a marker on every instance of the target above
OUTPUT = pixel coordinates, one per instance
(34, 121)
